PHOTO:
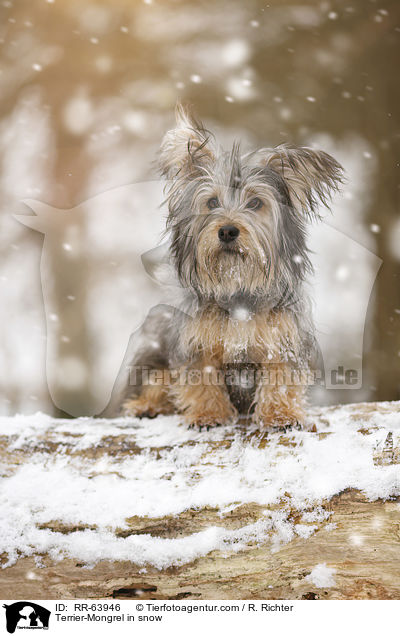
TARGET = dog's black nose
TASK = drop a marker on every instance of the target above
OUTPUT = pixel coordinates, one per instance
(228, 233)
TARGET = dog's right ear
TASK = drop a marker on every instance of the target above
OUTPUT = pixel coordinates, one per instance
(186, 147)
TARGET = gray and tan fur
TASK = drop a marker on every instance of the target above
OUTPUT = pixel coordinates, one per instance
(237, 226)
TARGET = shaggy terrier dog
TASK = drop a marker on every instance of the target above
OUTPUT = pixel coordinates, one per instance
(242, 340)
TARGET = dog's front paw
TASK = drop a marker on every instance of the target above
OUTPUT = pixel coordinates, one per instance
(207, 421)
(137, 409)
(201, 424)
(142, 408)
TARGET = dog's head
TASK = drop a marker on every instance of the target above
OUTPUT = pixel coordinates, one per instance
(238, 223)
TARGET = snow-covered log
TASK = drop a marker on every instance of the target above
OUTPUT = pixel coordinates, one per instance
(147, 508)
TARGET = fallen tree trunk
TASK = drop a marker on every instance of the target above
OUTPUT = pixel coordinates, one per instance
(268, 551)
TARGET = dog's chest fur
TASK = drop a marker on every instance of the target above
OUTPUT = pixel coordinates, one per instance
(237, 336)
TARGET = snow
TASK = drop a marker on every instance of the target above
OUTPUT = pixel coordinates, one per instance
(242, 314)
(235, 52)
(175, 469)
(322, 576)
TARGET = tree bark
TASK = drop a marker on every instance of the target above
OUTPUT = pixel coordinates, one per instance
(364, 547)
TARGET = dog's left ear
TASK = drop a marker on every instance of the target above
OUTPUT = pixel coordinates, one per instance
(186, 147)
(311, 175)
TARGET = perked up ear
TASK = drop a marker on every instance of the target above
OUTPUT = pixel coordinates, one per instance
(186, 147)
(311, 175)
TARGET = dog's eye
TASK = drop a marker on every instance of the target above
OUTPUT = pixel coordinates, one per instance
(213, 203)
(255, 204)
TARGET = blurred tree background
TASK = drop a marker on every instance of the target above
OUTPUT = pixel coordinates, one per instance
(87, 91)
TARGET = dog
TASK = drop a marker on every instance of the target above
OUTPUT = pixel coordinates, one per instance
(242, 341)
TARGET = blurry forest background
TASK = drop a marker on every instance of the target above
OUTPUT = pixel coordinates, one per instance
(87, 90)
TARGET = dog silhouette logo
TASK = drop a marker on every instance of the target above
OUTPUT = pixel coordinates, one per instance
(26, 615)
(127, 272)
